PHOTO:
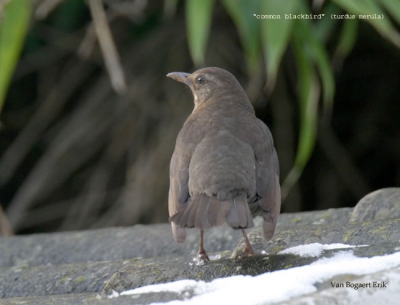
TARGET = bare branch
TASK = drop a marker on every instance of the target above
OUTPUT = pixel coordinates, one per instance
(46, 7)
(5, 227)
(107, 46)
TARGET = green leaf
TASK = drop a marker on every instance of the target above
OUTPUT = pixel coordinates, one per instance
(275, 34)
(305, 31)
(371, 7)
(320, 57)
(324, 27)
(198, 20)
(242, 12)
(392, 7)
(13, 30)
(309, 92)
(348, 38)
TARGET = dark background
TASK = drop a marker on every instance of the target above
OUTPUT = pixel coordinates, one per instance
(76, 155)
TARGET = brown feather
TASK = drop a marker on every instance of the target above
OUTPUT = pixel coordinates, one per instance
(179, 233)
(239, 215)
(182, 217)
(201, 221)
(270, 210)
(217, 211)
(213, 211)
(223, 210)
(232, 217)
(193, 206)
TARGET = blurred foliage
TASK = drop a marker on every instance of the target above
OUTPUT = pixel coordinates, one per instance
(308, 33)
(199, 13)
(76, 155)
(14, 21)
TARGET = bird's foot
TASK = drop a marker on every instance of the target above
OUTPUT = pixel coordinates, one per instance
(248, 251)
(202, 256)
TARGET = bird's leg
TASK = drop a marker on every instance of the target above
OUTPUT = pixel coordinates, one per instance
(202, 253)
(248, 251)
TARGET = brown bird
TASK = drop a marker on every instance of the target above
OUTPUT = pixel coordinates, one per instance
(224, 167)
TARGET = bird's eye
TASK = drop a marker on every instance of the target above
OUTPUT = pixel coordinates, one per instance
(200, 80)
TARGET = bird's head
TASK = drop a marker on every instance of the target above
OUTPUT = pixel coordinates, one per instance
(208, 83)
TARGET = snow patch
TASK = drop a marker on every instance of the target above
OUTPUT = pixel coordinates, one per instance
(278, 286)
(315, 249)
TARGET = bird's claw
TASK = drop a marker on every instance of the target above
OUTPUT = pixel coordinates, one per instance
(248, 252)
(202, 256)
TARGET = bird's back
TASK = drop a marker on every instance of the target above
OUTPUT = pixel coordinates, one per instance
(222, 170)
(223, 161)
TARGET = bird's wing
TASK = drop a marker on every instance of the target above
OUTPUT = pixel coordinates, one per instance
(267, 179)
(178, 189)
(187, 140)
(179, 179)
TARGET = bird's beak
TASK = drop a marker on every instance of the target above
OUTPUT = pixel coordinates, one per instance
(180, 77)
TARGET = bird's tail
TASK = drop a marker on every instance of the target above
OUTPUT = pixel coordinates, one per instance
(204, 212)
